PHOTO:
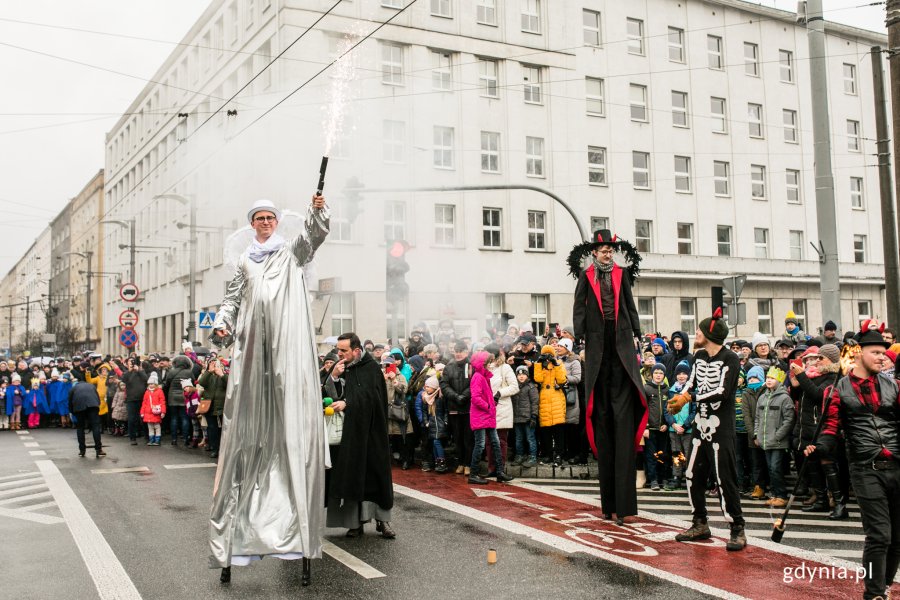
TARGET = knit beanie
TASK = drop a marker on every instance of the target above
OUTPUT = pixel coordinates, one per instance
(895, 348)
(154, 379)
(830, 326)
(521, 369)
(776, 374)
(658, 367)
(683, 367)
(714, 328)
(433, 383)
(831, 352)
(548, 349)
(791, 318)
(757, 373)
(758, 338)
(16, 378)
(658, 341)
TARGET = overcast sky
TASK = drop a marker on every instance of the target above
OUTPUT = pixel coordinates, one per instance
(54, 113)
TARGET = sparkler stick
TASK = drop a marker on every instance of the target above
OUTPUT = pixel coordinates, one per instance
(322, 168)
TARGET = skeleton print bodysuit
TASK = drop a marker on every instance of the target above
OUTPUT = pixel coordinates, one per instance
(714, 382)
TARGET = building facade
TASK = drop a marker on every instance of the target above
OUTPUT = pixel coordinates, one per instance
(684, 126)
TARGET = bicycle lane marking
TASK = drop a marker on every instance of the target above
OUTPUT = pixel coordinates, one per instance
(646, 545)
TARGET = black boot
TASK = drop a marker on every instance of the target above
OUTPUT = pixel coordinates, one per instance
(738, 540)
(834, 486)
(225, 577)
(698, 531)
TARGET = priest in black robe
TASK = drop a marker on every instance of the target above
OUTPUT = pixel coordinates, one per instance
(607, 319)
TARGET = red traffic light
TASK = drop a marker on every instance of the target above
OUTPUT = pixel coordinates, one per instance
(398, 249)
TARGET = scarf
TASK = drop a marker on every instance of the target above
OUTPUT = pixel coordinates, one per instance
(604, 271)
(429, 398)
(259, 251)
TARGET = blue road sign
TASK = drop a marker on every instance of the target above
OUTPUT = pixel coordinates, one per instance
(206, 320)
(128, 338)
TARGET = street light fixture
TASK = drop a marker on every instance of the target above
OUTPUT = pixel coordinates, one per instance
(130, 224)
(192, 276)
(87, 255)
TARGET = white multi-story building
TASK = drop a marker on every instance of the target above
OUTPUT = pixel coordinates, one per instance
(23, 302)
(684, 126)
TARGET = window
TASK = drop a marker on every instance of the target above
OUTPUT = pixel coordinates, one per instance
(486, 12)
(856, 193)
(757, 182)
(799, 308)
(863, 310)
(391, 64)
(852, 135)
(786, 66)
(490, 152)
(233, 23)
(795, 244)
(444, 225)
(754, 120)
(635, 28)
(393, 141)
(392, 3)
(441, 8)
(250, 12)
(531, 16)
(789, 118)
(859, 248)
(647, 313)
(537, 230)
(638, 96)
(850, 79)
(539, 312)
(721, 178)
(594, 96)
(534, 156)
(679, 109)
(685, 238)
(591, 22)
(723, 239)
(792, 185)
(443, 147)
(643, 235)
(490, 227)
(640, 170)
(596, 166)
(761, 242)
(689, 315)
(683, 174)
(341, 226)
(764, 316)
(714, 52)
(599, 223)
(441, 74)
(488, 79)
(718, 117)
(532, 85)
(341, 313)
(676, 45)
(495, 303)
(751, 59)
(394, 220)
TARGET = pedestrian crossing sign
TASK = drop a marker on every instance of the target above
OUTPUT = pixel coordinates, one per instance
(207, 319)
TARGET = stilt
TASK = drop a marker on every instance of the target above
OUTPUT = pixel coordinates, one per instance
(306, 574)
(225, 577)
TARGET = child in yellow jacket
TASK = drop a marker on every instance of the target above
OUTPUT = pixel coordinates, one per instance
(550, 376)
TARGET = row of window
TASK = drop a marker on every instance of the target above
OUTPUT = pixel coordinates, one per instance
(486, 12)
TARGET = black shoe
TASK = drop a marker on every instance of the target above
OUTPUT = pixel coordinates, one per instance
(476, 479)
(620, 520)
(134, 442)
(225, 577)
(491, 474)
(820, 505)
(174, 442)
(355, 533)
(839, 513)
(698, 531)
(101, 453)
(504, 478)
(214, 455)
(738, 540)
(306, 577)
(384, 528)
(81, 453)
(405, 465)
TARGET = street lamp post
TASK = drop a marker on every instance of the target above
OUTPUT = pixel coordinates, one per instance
(192, 276)
(88, 255)
(130, 224)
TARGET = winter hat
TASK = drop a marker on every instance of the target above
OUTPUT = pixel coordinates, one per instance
(790, 317)
(332, 356)
(266, 205)
(54, 373)
(714, 328)
(521, 369)
(831, 352)
(658, 341)
(746, 344)
(683, 367)
(758, 338)
(526, 338)
(566, 343)
(16, 378)
(439, 367)
(570, 330)
(388, 359)
(433, 383)
(548, 349)
(785, 343)
(186, 383)
(891, 355)
(658, 367)
(154, 379)
(798, 351)
(526, 327)
(757, 373)
(870, 335)
(895, 348)
(810, 352)
(776, 374)
(831, 326)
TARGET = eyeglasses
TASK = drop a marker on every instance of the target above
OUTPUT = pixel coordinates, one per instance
(265, 219)
(610, 252)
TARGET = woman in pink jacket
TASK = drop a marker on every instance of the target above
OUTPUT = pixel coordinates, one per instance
(483, 418)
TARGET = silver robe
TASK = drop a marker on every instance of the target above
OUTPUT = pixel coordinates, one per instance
(268, 497)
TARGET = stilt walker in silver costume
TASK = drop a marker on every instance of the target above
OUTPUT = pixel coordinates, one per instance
(269, 493)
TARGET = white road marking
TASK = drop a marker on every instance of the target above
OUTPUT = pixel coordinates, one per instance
(24, 498)
(21, 475)
(27, 488)
(798, 521)
(483, 493)
(26, 438)
(563, 544)
(12, 484)
(716, 531)
(32, 444)
(110, 578)
(120, 470)
(23, 432)
(857, 554)
(362, 568)
(25, 514)
(37, 453)
(192, 466)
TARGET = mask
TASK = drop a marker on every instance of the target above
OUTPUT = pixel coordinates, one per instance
(755, 386)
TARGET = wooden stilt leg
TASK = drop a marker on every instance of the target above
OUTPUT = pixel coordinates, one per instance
(306, 572)
(225, 577)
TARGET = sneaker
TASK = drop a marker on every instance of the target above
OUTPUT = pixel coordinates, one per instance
(518, 459)
(529, 463)
(698, 531)
(467, 471)
(654, 487)
(758, 493)
(459, 470)
(426, 467)
(477, 479)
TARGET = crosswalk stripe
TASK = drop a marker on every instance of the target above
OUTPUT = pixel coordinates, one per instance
(24, 498)
(122, 470)
(23, 432)
(192, 466)
(27, 488)
(37, 453)
(810, 535)
(27, 515)
(12, 484)
(840, 553)
(31, 444)
(41, 506)
(798, 521)
(21, 475)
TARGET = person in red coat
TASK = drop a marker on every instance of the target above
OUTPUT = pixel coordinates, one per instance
(607, 319)
(153, 409)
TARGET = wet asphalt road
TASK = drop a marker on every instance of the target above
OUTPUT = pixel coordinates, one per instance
(156, 523)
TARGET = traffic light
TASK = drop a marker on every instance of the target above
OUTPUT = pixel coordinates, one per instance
(396, 288)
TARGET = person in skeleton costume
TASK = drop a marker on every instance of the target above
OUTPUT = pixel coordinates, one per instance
(606, 318)
(713, 380)
(269, 490)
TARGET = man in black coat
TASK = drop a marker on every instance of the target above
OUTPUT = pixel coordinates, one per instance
(84, 402)
(607, 319)
(458, 396)
(135, 379)
(360, 486)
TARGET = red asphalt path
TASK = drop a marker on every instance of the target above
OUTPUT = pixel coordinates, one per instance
(642, 544)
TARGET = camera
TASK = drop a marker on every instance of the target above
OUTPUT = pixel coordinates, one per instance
(546, 360)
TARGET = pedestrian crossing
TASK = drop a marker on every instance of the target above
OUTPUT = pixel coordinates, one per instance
(25, 496)
(808, 531)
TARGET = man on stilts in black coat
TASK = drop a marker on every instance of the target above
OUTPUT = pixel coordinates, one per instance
(606, 318)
